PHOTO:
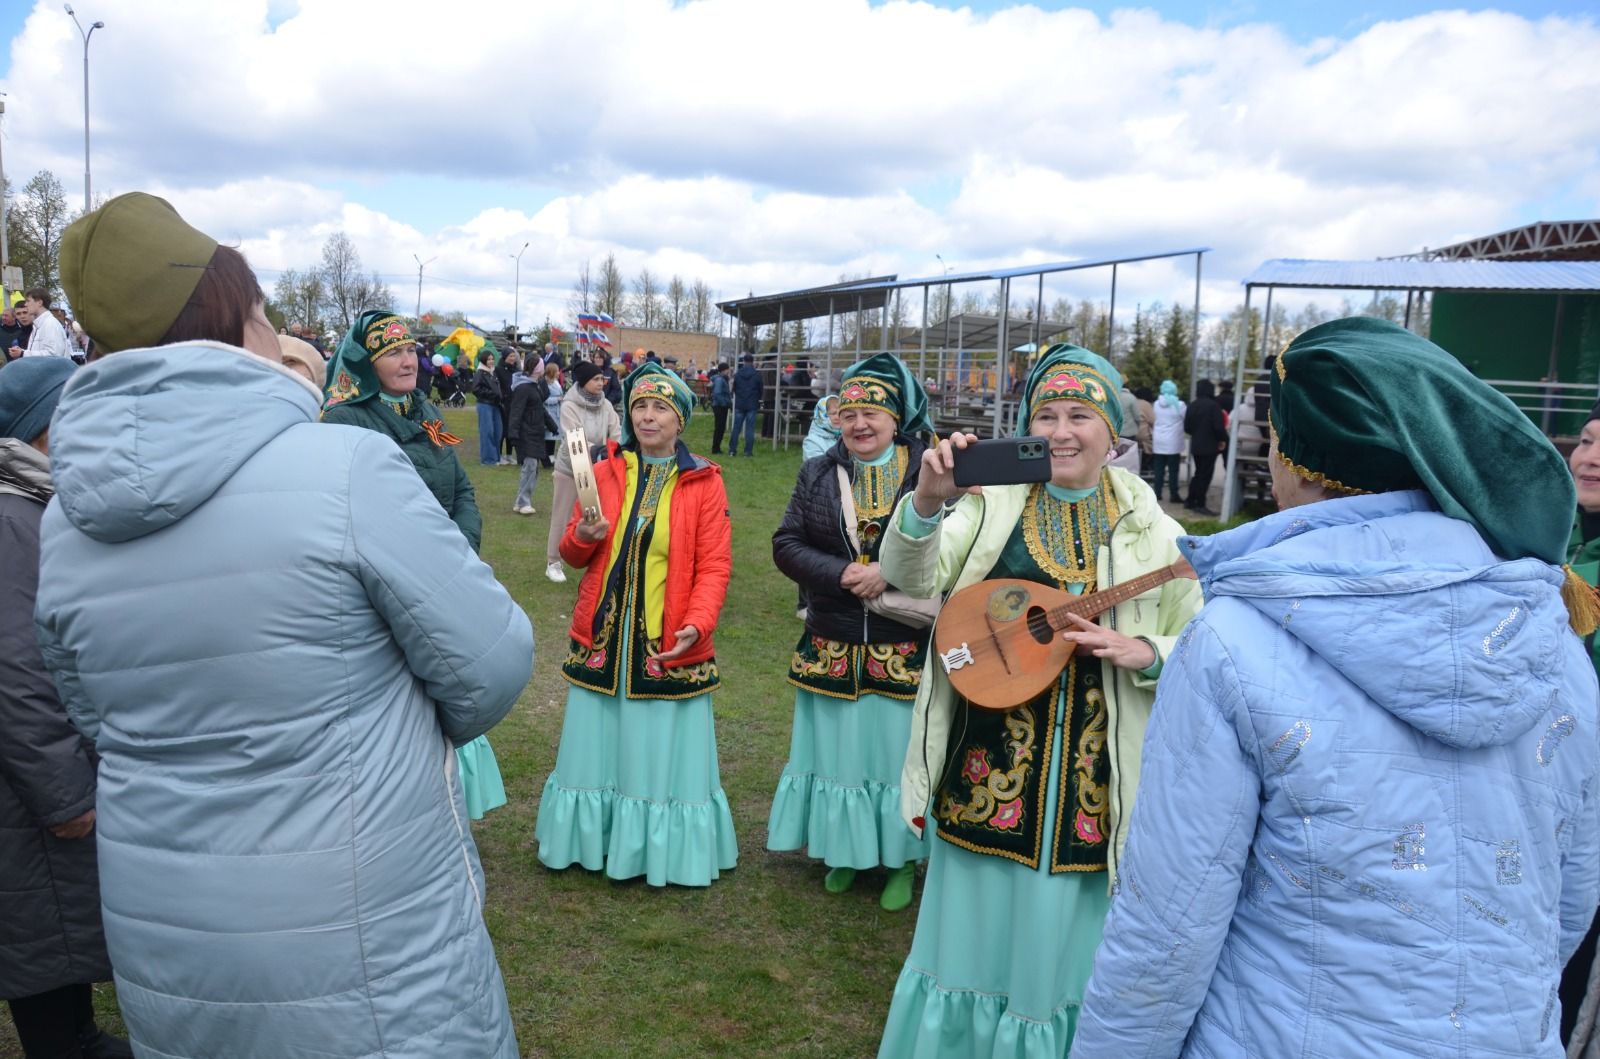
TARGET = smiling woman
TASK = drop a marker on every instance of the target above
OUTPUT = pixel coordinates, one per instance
(636, 788)
(371, 384)
(1030, 805)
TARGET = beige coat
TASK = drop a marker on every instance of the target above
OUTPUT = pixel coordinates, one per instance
(599, 422)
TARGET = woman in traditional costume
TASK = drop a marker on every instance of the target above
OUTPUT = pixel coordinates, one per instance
(371, 383)
(856, 668)
(1580, 982)
(1031, 805)
(636, 788)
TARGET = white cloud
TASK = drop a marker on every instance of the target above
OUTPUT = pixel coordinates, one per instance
(780, 144)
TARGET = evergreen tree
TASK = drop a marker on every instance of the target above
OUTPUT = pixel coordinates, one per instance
(1145, 366)
(1177, 347)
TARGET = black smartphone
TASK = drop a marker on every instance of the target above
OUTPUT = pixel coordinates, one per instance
(1003, 461)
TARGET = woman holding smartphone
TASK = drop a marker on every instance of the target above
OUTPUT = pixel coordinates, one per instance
(1031, 804)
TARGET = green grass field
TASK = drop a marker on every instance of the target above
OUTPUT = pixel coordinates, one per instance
(764, 962)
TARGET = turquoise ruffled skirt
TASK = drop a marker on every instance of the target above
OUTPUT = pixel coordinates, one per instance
(636, 791)
(839, 797)
(1001, 956)
(480, 777)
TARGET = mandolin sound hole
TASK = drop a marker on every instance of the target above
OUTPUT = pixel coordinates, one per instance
(1039, 625)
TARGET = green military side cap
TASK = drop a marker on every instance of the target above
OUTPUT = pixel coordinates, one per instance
(1362, 405)
(130, 267)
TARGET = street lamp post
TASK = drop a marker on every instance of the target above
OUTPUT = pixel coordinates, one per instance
(516, 292)
(420, 265)
(86, 34)
(5, 251)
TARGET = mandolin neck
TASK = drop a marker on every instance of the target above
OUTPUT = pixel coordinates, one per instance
(1091, 604)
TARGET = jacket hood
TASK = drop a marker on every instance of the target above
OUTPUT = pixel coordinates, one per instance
(143, 437)
(24, 470)
(1407, 604)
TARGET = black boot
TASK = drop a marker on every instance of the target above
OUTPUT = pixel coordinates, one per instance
(101, 1045)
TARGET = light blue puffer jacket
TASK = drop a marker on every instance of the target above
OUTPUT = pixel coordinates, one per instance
(1367, 822)
(231, 602)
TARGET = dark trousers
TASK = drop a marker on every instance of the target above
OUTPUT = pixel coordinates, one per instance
(50, 1024)
(505, 441)
(1575, 980)
(1205, 464)
(719, 427)
(1167, 470)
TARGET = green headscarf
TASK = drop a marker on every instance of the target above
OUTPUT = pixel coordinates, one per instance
(1363, 406)
(650, 379)
(883, 381)
(1068, 372)
(351, 376)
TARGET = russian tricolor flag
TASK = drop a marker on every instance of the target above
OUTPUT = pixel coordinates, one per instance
(604, 320)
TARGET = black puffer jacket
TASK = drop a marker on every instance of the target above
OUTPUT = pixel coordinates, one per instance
(812, 549)
(50, 933)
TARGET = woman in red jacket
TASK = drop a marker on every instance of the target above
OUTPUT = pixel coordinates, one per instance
(636, 789)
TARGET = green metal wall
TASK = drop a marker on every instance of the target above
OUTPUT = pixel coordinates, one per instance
(1508, 336)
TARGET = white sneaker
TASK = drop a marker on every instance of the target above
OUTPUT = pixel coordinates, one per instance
(555, 573)
(525, 509)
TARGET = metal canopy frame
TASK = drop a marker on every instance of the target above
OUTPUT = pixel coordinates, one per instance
(1540, 241)
(876, 293)
(1416, 276)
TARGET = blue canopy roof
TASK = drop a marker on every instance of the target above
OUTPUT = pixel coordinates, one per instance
(1397, 274)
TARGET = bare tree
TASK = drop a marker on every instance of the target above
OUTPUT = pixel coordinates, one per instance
(647, 307)
(343, 278)
(677, 303)
(609, 290)
(701, 317)
(372, 293)
(582, 292)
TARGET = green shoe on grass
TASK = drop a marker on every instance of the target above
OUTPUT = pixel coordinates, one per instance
(897, 891)
(839, 880)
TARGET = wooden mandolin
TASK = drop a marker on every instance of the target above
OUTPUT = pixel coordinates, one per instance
(1000, 641)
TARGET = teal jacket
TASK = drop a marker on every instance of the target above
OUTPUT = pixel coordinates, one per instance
(231, 604)
(441, 471)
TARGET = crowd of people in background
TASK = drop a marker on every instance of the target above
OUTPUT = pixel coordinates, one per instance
(245, 728)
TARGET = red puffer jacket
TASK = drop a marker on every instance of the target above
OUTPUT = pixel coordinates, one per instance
(701, 557)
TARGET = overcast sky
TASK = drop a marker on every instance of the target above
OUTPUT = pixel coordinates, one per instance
(771, 144)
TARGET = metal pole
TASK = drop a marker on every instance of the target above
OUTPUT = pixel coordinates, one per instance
(1038, 315)
(1194, 354)
(5, 252)
(1545, 420)
(1002, 358)
(894, 320)
(858, 327)
(830, 342)
(420, 265)
(516, 293)
(1230, 478)
(780, 418)
(1111, 319)
(1407, 324)
(86, 35)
